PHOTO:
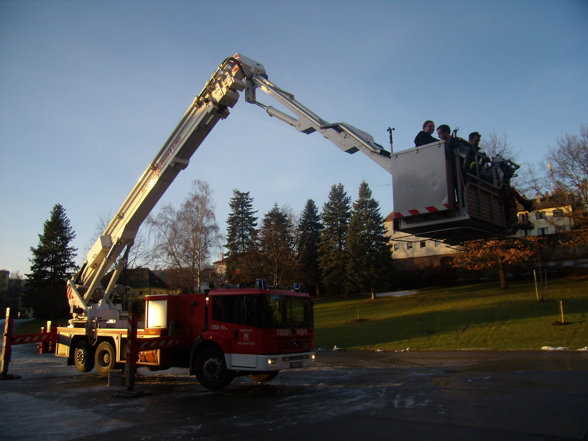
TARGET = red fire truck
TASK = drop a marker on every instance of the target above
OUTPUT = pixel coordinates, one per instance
(218, 336)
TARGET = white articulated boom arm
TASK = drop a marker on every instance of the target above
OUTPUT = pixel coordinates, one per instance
(343, 135)
(220, 92)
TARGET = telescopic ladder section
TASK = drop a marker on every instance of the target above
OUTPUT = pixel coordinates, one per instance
(212, 104)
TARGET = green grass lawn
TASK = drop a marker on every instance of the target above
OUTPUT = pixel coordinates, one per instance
(34, 326)
(440, 318)
(466, 317)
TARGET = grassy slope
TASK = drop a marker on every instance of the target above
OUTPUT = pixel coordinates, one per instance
(475, 316)
(34, 326)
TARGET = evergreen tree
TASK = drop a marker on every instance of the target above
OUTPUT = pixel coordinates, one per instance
(333, 239)
(52, 264)
(277, 240)
(241, 239)
(369, 250)
(309, 231)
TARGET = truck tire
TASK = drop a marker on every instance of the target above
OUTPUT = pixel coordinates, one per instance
(263, 377)
(84, 356)
(211, 369)
(105, 358)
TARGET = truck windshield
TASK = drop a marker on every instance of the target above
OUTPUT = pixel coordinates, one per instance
(283, 311)
(264, 311)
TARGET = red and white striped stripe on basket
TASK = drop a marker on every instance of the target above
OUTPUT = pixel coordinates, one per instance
(421, 211)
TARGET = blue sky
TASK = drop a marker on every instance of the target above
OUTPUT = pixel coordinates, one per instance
(89, 91)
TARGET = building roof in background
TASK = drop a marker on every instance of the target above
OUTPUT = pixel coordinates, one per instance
(555, 201)
(137, 278)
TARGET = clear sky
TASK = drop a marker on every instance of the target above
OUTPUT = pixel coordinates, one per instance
(90, 90)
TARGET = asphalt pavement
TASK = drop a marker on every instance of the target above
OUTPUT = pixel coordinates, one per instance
(348, 395)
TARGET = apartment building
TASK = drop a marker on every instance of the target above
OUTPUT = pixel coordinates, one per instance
(412, 253)
(552, 215)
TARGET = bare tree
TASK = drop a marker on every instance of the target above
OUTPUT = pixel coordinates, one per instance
(570, 163)
(140, 254)
(494, 145)
(531, 179)
(186, 238)
(528, 180)
(569, 168)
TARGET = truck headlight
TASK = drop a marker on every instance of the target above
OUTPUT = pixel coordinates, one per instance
(272, 361)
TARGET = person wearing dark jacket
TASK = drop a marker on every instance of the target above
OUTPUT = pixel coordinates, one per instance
(424, 136)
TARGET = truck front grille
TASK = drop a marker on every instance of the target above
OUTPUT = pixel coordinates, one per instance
(294, 343)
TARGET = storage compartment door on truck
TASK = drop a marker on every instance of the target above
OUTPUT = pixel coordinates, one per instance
(234, 316)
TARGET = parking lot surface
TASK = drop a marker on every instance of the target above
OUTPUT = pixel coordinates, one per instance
(348, 395)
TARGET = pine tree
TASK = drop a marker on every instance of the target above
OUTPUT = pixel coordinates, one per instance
(51, 265)
(309, 231)
(276, 245)
(241, 239)
(333, 239)
(369, 265)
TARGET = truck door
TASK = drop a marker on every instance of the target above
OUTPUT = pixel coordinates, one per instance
(234, 316)
(245, 331)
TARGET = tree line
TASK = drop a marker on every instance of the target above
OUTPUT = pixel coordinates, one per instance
(343, 249)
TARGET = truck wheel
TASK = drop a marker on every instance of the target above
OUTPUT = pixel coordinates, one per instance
(211, 369)
(84, 356)
(105, 358)
(263, 377)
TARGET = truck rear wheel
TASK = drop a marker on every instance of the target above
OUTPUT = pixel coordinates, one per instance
(105, 358)
(211, 369)
(263, 377)
(84, 356)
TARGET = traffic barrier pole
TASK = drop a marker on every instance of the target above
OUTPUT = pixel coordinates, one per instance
(47, 345)
(131, 352)
(7, 347)
(6, 343)
(43, 345)
(51, 343)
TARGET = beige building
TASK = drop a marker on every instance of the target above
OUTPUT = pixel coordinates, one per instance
(220, 270)
(416, 253)
(552, 215)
